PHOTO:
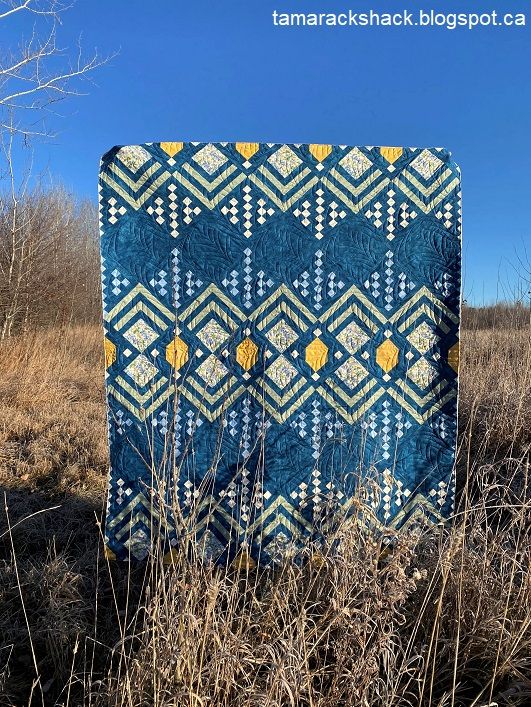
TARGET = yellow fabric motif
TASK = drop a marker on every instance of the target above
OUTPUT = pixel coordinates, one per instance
(170, 557)
(320, 152)
(316, 354)
(387, 355)
(453, 357)
(171, 148)
(110, 352)
(391, 154)
(108, 554)
(247, 149)
(177, 353)
(247, 354)
(318, 559)
(243, 561)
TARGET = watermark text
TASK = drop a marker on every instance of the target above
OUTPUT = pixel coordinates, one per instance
(405, 18)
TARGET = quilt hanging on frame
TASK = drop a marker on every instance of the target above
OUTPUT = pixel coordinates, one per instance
(281, 340)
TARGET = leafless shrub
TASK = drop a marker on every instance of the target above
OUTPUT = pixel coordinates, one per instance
(444, 620)
(49, 261)
(502, 315)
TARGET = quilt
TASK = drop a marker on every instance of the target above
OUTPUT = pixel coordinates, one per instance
(281, 343)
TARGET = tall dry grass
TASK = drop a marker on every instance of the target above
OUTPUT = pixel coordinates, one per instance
(442, 620)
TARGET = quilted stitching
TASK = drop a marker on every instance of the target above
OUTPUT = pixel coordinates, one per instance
(287, 315)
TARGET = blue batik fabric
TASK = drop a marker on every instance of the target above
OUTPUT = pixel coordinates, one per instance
(281, 343)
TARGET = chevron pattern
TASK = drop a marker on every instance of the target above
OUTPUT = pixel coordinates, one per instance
(281, 339)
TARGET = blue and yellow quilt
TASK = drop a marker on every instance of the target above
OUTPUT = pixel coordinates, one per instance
(281, 342)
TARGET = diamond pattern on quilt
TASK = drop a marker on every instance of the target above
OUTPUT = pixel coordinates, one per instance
(210, 158)
(212, 371)
(422, 373)
(446, 215)
(281, 548)
(281, 372)
(118, 282)
(115, 211)
(139, 544)
(156, 210)
(351, 372)
(352, 337)
(423, 337)
(284, 161)
(282, 336)
(133, 157)
(319, 215)
(141, 335)
(260, 333)
(213, 335)
(426, 164)
(141, 370)
(355, 163)
(211, 547)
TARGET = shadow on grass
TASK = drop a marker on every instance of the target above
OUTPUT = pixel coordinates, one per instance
(62, 605)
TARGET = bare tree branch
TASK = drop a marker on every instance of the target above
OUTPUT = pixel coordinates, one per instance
(50, 8)
(33, 77)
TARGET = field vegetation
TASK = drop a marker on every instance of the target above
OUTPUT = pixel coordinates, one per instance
(443, 620)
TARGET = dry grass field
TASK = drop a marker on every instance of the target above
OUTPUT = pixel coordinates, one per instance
(444, 620)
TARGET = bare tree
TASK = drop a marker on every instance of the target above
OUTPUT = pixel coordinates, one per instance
(39, 230)
(48, 257)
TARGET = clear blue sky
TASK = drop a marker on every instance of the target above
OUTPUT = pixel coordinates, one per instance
(204, 71)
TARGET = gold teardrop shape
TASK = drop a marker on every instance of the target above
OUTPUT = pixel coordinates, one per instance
(247, 149)
(320, 152)
(391, 154)
(171, 148)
